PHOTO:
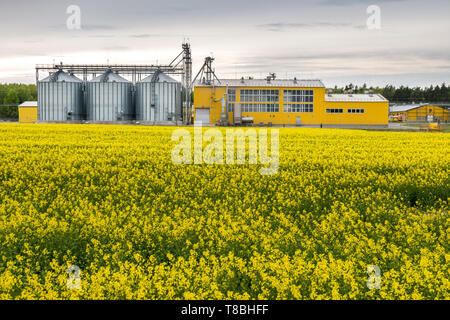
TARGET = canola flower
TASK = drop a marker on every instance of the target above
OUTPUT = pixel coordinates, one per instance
(109, 200)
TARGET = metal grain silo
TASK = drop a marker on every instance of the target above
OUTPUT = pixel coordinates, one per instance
(60, 98)
(109, 98)
(158, 98)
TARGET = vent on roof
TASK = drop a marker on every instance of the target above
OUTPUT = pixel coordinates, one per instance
(271, 76)
(295, 80)
(242, 80)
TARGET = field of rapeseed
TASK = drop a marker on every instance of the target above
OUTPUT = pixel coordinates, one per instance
(109, 200)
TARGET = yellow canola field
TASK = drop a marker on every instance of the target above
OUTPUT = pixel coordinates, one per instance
(109, 200)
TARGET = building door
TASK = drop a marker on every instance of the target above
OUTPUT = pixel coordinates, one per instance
(202, 115)
(299, 121)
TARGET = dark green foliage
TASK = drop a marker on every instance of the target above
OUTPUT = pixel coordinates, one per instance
(9, 113)
(404, 94)
(17, 93)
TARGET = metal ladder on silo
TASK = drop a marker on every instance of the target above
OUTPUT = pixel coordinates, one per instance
(154, 100)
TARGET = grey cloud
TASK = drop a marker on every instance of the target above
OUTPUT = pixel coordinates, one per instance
(116, 48)
(409, 79)
(344, 63)
(84, 27)
(353, 2)
(93, 27)
(141, 36)
(147, 35)
(352, 55)
(5, 53)
(106, 36)
(277, 27)
(281, 65)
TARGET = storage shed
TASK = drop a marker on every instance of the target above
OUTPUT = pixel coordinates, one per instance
(28, 112)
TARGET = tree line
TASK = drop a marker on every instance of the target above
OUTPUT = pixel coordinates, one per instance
(15, 94)
(403, 94)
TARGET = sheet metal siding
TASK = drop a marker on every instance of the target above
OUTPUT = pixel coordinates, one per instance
(167, 97)
(57, 99)
(109, 101)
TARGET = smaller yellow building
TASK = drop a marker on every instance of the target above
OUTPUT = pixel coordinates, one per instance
(419, 113)
(28, 112)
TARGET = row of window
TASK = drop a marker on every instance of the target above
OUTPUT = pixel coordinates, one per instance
(299, 99)
(348, 110)
(426, 118)
(271, 107)
(260, 107)
(335, 110)
(356, 110)
(288, 108)
(256, 95)
(299, 92)
(250, 95)
(298, 96)
(256, 92)
(298, 108)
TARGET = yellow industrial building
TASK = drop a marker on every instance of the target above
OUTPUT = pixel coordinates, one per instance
(28, 112)
(419, 113)
(284, 102)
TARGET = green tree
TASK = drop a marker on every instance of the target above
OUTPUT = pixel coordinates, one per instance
(12, 97)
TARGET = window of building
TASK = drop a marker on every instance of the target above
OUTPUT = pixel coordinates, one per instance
(231, 107)
(298, 95)
(231, 95)
(255, 95)
(356, 110)
(298, 108)
(260, 107)
(335, 110)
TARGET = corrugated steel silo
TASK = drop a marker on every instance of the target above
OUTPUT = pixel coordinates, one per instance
(158, 98)
(109, 98)
(60, 98)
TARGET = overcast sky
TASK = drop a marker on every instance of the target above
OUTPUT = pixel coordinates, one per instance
(320, 39)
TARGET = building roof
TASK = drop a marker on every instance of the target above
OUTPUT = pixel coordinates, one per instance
(110, 76)
(265, 83)
(61, 76)
(162, 77)
(355, 98)
(29, 104)
(405, 108)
